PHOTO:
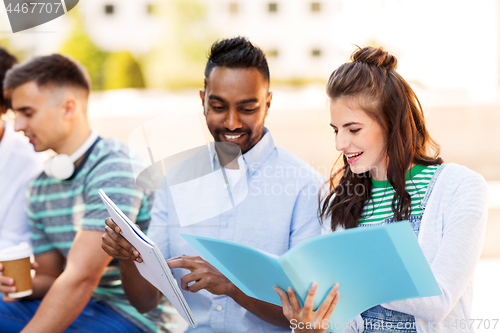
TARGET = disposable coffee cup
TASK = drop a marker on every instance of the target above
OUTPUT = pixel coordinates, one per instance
(17, 265)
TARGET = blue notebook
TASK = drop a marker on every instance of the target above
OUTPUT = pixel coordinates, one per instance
(372, 266)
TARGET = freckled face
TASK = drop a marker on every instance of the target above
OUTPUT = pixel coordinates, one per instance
(235, 103)
(359, 137)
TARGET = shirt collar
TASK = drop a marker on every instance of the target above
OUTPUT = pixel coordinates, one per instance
(255, 156)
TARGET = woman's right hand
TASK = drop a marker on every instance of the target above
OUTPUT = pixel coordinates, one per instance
(115, 245)
(305, 320)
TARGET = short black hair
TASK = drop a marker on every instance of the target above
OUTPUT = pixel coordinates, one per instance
(237, 52)
(55, 69)
(7, 60)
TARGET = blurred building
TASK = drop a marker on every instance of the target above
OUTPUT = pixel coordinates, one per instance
(441, 45)
(444, 45)
(116, 25)
(296, 35)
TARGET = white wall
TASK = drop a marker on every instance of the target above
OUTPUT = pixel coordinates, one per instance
(130, 27)
(443, 45)
(446, 44)
(294, 31)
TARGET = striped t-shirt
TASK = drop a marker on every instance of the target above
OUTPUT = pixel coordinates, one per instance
(57, 209)
(378, 208)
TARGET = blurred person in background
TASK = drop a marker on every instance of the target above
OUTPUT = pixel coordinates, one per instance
(387, 151)
(18, 165)
(77, 286)
(235, 100)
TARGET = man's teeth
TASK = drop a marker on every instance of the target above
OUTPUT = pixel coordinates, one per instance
(353, 155)
(232, 137)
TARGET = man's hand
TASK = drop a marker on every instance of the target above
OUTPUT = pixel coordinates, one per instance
(115, 245)
(204, 276)
(7, 285)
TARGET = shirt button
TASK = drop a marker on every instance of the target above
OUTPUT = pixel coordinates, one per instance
(225, 185)
(219, 308)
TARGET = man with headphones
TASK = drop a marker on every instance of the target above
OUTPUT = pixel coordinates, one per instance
(77, 285)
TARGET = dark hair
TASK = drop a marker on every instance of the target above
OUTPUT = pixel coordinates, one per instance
(372, 81)
(7, 60)
(236, 52)
(54, 69)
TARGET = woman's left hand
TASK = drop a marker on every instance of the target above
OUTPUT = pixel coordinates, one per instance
(305, 320)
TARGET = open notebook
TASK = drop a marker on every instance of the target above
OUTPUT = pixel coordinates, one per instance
(371, 265)
(154, 267)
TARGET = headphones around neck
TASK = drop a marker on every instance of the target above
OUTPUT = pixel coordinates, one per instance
(62, 166)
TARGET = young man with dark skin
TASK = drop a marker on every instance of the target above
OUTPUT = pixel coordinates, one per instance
(77, 285)
(236, 100)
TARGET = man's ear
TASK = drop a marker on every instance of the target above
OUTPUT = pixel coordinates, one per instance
(268, 101)
(202, 97)
(69, 107)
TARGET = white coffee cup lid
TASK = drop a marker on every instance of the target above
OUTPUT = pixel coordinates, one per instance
(20, 251)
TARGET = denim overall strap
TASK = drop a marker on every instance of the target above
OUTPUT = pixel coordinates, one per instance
(380, 319)
(423, 202)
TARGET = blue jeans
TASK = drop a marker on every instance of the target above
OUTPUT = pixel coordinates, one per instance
(96, 317)
(380, 319)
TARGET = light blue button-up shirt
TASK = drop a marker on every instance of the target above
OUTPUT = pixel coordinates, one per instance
(279, 211)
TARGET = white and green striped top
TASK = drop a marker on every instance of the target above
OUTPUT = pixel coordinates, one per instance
(378, 208)
(58, 209)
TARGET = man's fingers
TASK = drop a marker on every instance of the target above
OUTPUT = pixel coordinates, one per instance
(6, 281)
(309, 302)
(186, 280)
(119, 252)
(285, 302)
(110, 223)
(183, 262)
(7, 299)
(7, 287)
(327, 302)
(111, 251)
(191, 258)
(120, 245)
(34, 265)
(196, 286)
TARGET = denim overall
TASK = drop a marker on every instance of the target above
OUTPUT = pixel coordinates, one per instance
(378, 318)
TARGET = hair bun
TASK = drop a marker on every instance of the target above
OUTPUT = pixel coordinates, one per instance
(375, 56)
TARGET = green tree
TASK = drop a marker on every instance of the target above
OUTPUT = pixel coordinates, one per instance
(121, 70)
(80, 47)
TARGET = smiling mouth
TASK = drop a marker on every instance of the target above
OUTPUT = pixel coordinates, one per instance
(233, 136)
(350, 156)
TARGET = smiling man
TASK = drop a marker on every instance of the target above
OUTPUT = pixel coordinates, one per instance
(279, 211)
(77, 286)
